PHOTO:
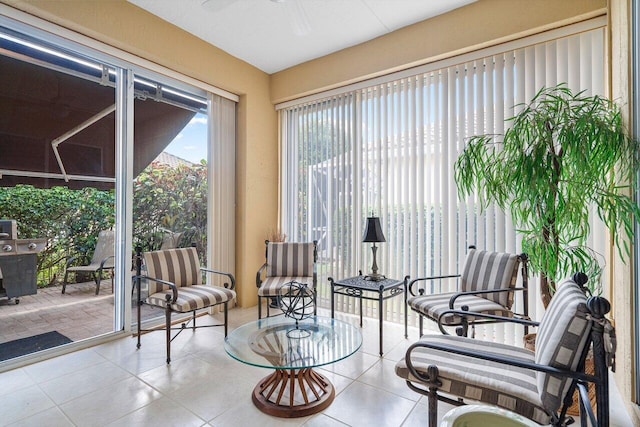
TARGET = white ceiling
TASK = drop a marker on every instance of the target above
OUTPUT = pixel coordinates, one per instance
(276, 34)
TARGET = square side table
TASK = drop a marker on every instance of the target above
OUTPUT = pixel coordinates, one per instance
(363, 289)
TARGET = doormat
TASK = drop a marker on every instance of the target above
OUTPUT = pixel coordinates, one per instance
(16, 348)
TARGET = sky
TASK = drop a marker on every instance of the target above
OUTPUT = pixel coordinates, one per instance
(191, 142)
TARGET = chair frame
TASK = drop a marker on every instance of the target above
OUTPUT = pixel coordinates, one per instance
(478, 318)
(263, 268)
(598, 307)
(170, 299)
(96, 274)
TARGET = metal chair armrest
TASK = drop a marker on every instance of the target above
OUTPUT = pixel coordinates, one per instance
(222, 273)
(259, 273)
(174, 288)
(518, 320)
(410, 286)
(494, 357)
(485, 291)
(102, 263)
(75, 257)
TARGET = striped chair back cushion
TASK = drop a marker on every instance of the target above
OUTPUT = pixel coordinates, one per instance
(289, 259)
(180, 266)
(562, 335)
(491, 270)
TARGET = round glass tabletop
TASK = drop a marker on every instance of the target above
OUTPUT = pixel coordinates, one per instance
(277, 343)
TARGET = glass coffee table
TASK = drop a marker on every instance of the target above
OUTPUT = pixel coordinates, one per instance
(294, 389)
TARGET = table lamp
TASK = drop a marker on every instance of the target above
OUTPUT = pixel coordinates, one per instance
(373, 234)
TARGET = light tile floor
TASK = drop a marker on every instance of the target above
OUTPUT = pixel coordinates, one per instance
(77, 314)
(114, 384)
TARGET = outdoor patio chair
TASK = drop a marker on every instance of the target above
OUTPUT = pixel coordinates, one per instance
(538, 386)
(486, 285)
(175, 283)
(286, 262)
(102, 260)
(170, 240)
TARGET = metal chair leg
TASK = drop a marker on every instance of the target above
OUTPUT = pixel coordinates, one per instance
(96, 278)
(168, 327)
(226, 318)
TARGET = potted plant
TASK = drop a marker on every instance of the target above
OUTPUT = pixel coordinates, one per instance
(563, 153)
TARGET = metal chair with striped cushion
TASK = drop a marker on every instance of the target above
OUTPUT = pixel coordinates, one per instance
(286, 262)
(537, 385)
(175, 283)
(486, 285)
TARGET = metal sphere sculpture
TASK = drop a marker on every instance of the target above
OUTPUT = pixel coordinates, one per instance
(297, 301)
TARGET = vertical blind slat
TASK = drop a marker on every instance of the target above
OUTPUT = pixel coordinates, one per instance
(390, 150)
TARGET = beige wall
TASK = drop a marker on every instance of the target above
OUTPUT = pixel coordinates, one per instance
(480, 24)
(127, 27)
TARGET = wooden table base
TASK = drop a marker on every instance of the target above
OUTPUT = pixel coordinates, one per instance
(293, 393)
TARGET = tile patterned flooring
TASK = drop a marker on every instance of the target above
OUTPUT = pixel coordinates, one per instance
(113, 384)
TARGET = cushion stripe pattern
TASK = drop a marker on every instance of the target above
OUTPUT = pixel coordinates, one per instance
(270, 287)
(433, 306)
(289, 259)
(562, 336)
(488, 271)
(180, 266)
(193, 297)
(509, 387)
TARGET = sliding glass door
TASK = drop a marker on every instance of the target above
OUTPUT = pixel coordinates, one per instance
(97, 156)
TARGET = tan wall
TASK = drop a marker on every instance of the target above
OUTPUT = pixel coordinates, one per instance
(127, 27)
(480, 24)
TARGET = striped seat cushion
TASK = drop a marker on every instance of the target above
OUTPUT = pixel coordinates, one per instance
(506, 386)
(270, 287)
(433, 306)
(562, 336)
(180, 266)
(488, 271)
(193, 297)
(289, 259)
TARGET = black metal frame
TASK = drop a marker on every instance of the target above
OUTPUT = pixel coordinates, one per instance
(263, 267)
(598, 308)
(170, 299)
(463, 328)
(359, 286)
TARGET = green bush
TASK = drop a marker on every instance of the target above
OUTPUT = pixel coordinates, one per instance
(165, 198)
(69, 219)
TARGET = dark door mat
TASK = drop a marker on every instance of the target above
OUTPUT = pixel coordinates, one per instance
(16, 348)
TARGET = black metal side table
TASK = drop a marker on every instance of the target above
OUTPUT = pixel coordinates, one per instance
(364, 289)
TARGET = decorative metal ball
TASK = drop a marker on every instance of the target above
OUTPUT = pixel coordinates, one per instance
(297, 300)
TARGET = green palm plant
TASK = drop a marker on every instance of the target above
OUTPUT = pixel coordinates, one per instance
(563, 153)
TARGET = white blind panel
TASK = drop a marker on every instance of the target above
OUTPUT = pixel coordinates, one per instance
(389, 150)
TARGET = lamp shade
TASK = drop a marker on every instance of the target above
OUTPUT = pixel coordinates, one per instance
(373, 230)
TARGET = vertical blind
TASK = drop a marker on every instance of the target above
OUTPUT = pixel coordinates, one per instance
(388, 150)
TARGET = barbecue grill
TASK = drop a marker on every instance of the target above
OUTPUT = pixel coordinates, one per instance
(18, 262)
